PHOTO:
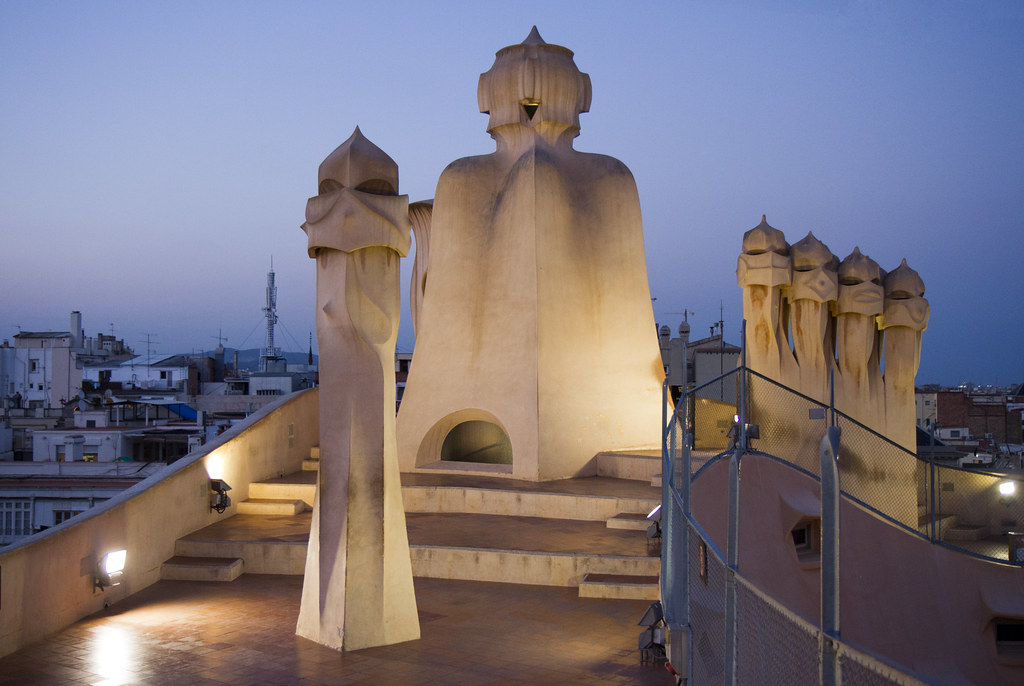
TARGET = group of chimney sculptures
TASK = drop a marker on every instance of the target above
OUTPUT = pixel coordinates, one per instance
(533, 320)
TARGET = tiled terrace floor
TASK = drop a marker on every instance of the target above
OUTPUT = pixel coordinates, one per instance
(205, 633)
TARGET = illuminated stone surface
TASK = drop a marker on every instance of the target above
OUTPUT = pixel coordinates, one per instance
(358, 590)
(536, 316)
(841, 317)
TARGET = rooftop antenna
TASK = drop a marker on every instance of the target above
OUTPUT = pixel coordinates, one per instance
(270, 353)
(149, 342)
(221, 339)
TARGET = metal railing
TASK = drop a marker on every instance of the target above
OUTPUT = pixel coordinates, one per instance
(723, 628)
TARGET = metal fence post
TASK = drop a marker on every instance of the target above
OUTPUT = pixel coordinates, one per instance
(732, 554)
(829, 456)
(675, 568)
(931, 487)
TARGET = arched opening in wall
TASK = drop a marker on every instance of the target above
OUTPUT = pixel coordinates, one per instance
(477, 441)
(471, 440)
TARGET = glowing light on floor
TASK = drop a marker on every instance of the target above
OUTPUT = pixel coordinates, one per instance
(113, 655)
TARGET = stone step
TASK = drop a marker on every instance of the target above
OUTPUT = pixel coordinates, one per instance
(268, 544)
(501, 496)
(656, 480)
(311, 465)
(523, 550)
(270, 506)
(635, 521)
(943, 523)
(185, 568)
(524, 566)
(965, 532)
(314, 452)
(620, 586)
(635, 466)
(519, 503)
(285, 489)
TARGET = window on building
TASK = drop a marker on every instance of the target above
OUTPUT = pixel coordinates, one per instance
(90, 457)
(15, 516)
(955, 433)
(61, 516)
(33, 365)
(163, 375)
(807, 540)
(90, 423)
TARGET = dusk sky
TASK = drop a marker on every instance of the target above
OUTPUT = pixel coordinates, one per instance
(154, 157)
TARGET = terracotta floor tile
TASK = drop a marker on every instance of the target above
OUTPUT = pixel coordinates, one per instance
(243, 632)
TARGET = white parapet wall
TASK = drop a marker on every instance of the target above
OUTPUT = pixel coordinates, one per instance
(46, 580)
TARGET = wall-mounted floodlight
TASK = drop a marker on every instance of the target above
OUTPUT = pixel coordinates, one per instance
(219, 499)
(652, 640)
(109, 569)
(654, 530)
(1007, 489)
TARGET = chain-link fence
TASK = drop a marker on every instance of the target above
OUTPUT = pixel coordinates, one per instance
(773, 644)
(980, 513)
(758, 640)
(974, 511)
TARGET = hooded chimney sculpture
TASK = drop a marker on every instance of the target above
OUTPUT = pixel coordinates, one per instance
(535, 338)
(358, 591)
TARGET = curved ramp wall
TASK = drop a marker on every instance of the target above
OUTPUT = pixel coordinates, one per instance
(46, 580)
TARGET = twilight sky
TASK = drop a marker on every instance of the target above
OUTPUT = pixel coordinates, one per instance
(155, 156)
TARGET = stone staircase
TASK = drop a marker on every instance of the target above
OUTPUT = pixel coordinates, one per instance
(949, 527)
(589, 533)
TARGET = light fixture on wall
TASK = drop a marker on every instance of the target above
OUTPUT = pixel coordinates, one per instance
(109, 569)
(1007, 490)
(219, 499)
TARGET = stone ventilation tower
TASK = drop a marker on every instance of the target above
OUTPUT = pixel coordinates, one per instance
(535, 343)
(844, 320)
(358, 589)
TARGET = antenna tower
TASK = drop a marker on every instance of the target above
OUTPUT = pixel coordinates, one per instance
(270, 353)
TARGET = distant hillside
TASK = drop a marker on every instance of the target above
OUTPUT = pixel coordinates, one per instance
(250, 359)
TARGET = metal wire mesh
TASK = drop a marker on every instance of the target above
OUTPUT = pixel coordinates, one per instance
(879, 473)
(860, 670)
(790, 424)
(707, 611)
(771, 647)
(711, 418)
(772, 644)
(975, 511)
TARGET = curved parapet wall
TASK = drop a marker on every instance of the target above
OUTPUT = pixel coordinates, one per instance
(46, 580)
(933, 611)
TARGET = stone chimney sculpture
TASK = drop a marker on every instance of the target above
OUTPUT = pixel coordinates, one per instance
(535, 340)
(841, 318)
(358, 590)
